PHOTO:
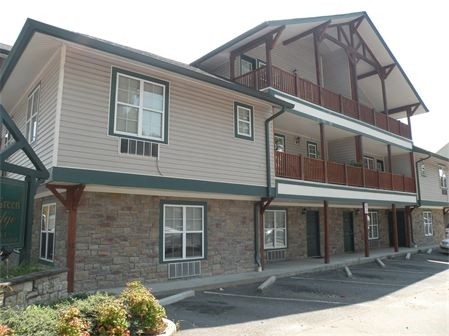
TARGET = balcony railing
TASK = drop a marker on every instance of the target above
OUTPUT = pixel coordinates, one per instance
(309, 169)
(304, 89)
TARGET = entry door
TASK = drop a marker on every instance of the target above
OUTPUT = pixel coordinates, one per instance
(348, 231)
(313, 234)
(401, 228)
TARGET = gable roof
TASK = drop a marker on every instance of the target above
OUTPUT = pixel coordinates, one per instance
(400, 84)
(444, 151)
(32, 27)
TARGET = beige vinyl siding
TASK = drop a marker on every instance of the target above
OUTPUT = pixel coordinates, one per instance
(342, 150)
(43, 146)
(430, 183)
(400, 164)
(201, 145)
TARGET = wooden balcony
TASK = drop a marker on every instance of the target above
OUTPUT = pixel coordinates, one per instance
(304, 89)
(308, 169)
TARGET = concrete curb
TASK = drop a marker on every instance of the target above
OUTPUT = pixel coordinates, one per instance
(380, 262)
(267, 283)
(348, 272)
(176, 298)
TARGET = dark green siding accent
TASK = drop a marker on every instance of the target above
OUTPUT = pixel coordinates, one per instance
(84, 176)
(434, 203)
(116, 71)
(161, 229)
(236, 104)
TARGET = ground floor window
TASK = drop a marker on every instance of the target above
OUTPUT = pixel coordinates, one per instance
(183, 231)
(373, 225)
(275, 229)
(47, 243)
(428, 223)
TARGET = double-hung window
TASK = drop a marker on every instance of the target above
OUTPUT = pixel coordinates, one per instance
(428, 223)
(368, 162)
(48, 221)
(312, 150)
(243, 121)
(183, 231)
(32, 112)
(373, 225)
(275, 229)
(443, 179)
(139, 106)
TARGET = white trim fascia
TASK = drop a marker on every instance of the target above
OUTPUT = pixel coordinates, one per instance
(59, 105)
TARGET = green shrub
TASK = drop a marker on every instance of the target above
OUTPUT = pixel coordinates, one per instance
(144, 310)
(5, 330)
(71, 323)
(18, 270)
(111, 319)
(33, 320)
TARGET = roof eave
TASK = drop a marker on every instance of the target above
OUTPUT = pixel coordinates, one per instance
(32, 26)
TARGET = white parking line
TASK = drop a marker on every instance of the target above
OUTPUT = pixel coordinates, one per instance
(351, 282)
(389, 271)
(438, 261)
(275, 298)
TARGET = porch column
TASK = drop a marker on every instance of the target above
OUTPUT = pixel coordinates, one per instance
(384, 98)
(232, 66)
(407, 225)
(323, 151)
(413, 169)
(70, 202)
(365, 229)
(389, 165)
(264, 204)
(268, 47)
(326, 233)
(395, 228)
(359, 155)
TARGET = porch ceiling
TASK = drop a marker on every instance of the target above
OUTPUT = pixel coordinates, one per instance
(400, 90)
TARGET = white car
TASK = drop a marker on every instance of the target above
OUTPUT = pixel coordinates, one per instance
(444, 246)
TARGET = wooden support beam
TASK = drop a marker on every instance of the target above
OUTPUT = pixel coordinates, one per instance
(405, 108)
(320, 27)
(395, 228)
(323, 151)
(387, 70)
(257, 42)
(326, 232)
(71, 202)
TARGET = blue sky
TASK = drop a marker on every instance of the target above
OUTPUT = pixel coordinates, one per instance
(186, 30)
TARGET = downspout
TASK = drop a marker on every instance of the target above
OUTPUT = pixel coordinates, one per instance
(259, 206)
(267, 149)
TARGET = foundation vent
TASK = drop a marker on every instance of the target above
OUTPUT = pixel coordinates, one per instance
(184, 269)
(275, 255)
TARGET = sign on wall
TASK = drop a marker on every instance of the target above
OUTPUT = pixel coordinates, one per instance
(12, 212)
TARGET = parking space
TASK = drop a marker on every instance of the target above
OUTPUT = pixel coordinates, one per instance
(289, 299)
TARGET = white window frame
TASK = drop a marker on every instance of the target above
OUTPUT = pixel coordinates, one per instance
(276, 229)
(428, 223)
(314, 154)
(184, 232)
(279, 139)
(443, 178)
(47, 232)
(32, 115)
(238, 107)
(369, 162)
(373, 224)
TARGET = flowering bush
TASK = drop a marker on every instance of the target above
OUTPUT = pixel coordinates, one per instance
(144, 310)
(71, 323)
(111, 319)
(5, 331)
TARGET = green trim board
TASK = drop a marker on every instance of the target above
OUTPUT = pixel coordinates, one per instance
(85, 176)
(434, 203)
(161, 230)
(426, 152)
(236, 121)
(111, 130)
(336, 114)
(32, 26)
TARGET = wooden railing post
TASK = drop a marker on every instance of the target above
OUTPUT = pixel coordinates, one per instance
(302, 177)
(358, 111)
(403, 182)
(363, 176)
(373, 113)
(340, 104)
(378, 180)
(346, 173)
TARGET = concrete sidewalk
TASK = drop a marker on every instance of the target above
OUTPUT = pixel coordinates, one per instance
(279, 269)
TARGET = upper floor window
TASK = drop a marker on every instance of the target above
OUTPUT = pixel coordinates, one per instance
(139, 106)
(443, 178)
(428, 223)
(279, 143)
(32, 112)
(243, 121)
(247, 64)
(312, 150)
(368, 162)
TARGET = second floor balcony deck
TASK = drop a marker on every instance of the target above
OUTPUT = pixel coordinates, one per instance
(294, 85)
(317, 170)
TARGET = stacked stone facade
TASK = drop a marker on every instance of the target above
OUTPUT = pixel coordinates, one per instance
(438, 225)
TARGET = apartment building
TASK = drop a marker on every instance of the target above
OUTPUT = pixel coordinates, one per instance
(269, 148)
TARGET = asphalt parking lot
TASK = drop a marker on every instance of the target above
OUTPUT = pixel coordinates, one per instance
(307, 303)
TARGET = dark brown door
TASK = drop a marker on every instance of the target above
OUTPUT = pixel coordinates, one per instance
(401, 228)
(313, 234)
(348, 231)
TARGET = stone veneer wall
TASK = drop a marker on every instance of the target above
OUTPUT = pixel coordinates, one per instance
(118, 238)
(418, 227)
(39, 287)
